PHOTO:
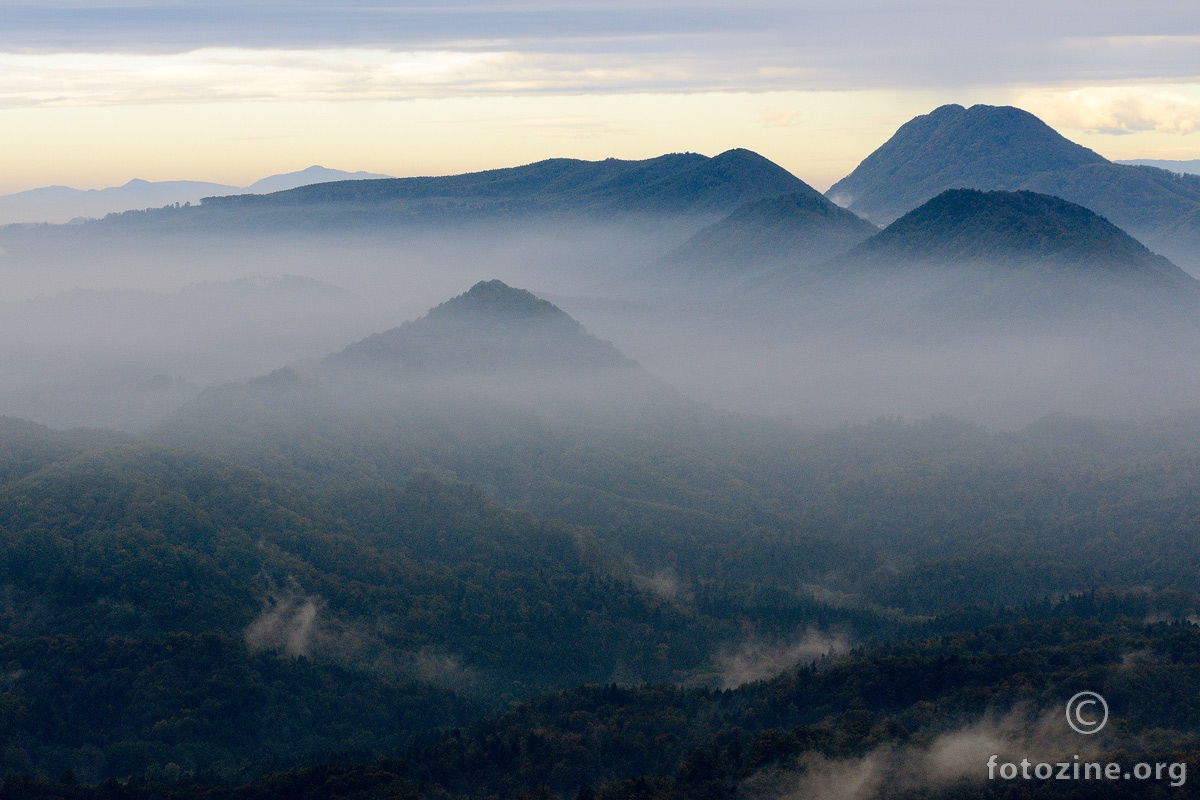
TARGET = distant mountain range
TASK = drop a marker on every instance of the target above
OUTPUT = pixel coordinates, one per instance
(59, 204)
(674, 185)
(988, 147)
(1190, 167)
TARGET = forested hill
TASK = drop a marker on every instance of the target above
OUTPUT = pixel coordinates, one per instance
(974, 262)
(914, 719)
(981, 147)
(795, 229)
(680, 184)
(1014, 229)
(490, 328)
(163, 607)
(989, 147)
(313, 620)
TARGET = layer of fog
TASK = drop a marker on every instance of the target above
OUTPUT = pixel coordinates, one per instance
(286, 624)
(405, 269)
(844, 351)
(125, 358)
(114, 329)
(294, 624)
(757, 660)
(145, 337)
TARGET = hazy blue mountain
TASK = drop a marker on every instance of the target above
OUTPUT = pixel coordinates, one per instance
(981, 147)
(59, 204)
(801, 229)
(489, 329)
(505, 391)
(1189, 167)
(989, 147)
(305, 177)
(970, 260)
(681, 184)
(1013, 230)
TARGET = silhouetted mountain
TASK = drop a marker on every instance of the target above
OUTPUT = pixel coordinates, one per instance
(307, 177)
(489, 329)
(969, 260)
(981, 147)
(1013, 230)
(988, 147)
(58, 204)
(683, 184)
(799, 229)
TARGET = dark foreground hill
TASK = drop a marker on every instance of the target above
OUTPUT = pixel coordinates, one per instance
(360, 607)
(165, 608)
(988, 147)
(917, 719)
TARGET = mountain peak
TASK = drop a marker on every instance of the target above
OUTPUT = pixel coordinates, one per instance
(498, 300)
(981, 147)
(1014, 228)
(491, 328)
(801, 228)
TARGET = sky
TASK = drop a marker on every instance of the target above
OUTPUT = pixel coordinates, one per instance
(94, 93)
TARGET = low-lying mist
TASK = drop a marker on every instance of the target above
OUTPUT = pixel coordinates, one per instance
(117, 327)
(844, 349)
(97, 319)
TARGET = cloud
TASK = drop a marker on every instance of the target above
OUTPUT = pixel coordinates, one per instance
(442, 669)
(755, 660)
(958, 755)
(228, 74)
(663, 584)
(593, 46)
(286, 624)
(1116, 110)
(776, 117)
